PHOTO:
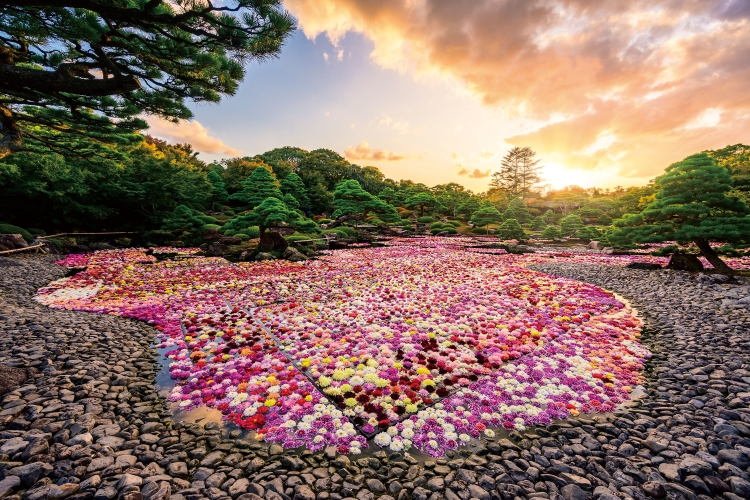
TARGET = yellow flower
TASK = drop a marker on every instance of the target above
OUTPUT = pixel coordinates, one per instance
(423, 371)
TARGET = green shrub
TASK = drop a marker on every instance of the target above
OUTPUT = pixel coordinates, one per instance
(230, 213)
(426, 220)
(664, 251)
(251, 232)
(242, 236)
(11, 229)
(337, 231)
(324, 221)
(454, 223)
(444, 229)
(478, 230)
(37, 232)
(208, 219)
(227, 232)
(301, 237)
(350, 232)
(206, 227)
(436, 225)
(405, 214)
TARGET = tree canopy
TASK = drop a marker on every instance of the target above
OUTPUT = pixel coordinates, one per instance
(261, 184)
(90, 67)
(485, 216)
(350, 199)
(690, 204)
(519, 172)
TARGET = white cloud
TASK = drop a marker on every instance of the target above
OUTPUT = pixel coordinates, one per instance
(191, 132)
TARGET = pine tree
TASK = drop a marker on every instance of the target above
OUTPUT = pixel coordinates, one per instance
(521, 210)
(218, 189)
(539, 223)
(261, 184)
(350, 199)
(270, 213)
(550, 233)
(182, 219)
(510, 230)
(469, 207)
(549, 216)
(293, 185)
(691, 204)
(519, 172)
(485, 216)
(387, 194)
(421, 201)
(291, 202)
(509, 214)
(570, 224)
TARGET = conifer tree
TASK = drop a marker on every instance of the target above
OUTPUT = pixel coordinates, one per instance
(691, 205)
(485, 216)
(421, 201)
(182, 219)
(570, 224)
(550, 233)
(469, 207)
(350, 199)
(511, 230)
(520, 210)
(218, 189)
(293, 185)
(259, 185)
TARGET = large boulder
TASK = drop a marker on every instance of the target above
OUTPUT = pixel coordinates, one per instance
(264, 256)
(293, 255)
(12, 242)
(217, 249)
(230, 240)
(211, 235)
(684, 262)
(271, 240)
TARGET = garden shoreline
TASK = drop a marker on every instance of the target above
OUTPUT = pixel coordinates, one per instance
(89, 423)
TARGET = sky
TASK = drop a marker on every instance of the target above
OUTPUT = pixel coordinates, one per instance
(607, 92)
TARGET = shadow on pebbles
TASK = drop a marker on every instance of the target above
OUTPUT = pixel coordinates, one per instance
(84, 420)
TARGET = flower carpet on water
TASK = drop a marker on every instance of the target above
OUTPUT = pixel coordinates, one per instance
(423, 344)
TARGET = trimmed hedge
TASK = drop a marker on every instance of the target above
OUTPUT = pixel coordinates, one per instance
(11, 229)
(425, 220)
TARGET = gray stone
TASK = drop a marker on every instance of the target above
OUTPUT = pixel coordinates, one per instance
(128, 480)
(31, 473)
(573, 492)
(58, 492)
(9, 485)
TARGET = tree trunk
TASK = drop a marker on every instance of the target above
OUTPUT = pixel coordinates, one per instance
(712, 256)
(421, 211)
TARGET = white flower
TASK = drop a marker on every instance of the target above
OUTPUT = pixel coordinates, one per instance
(392, 431)
(382, 439)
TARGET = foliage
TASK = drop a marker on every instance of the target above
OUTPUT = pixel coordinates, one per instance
(350, 199)
(11, 229)
(736, 159)
(259, 186)
(667, 250)
(294, 186)
(520, 210)
(485, 216)
(519, 172)
(182, 220)
(538, 223)
(426, 219)
(235, 170)
(550, 233)
(443, 227)
(570, 224)
(89, 68)
(421, 201)
(37, 232)
(510, 230)
(218, 189)
(291, 202)
(588, 233)
(468, 207)
(691, 204)
(388, 195)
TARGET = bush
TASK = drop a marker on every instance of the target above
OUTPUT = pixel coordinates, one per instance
(242, 236)
(664, 251)
(11, 229)
(447, 228)
(479, 230)
(350, 232)
(300, 237)
(208, 219)
(425, 220)
(405, 214)
(324, 221)
(37, 232)
(230, 213)
(211, 226)
(436, 225)
(454, 223)
(337, 231)
(227, 232)
(251, 232)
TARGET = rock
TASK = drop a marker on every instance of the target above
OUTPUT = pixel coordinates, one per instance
(238, 487)
(12, 241)
(692, 465)
(37, 445)
(31, 473)
(106, 493)
(9, 485)
(101, 463)
(573, 492)
(212, 458)
(303, 492)
(264, 256)
(163, 492)
(420, 493)
(211, 234)
(217, 249)
(9, 376)
(734, 457)
(593, 245)
(178, 469)
(128, 480)
(740, 487)
(62, 491)
(375, 485)
(436, 484)
(671, 472)
(293, 255)
(230, 240)
(654, 489)
(684, 262)
(478, 492)
(656, 445)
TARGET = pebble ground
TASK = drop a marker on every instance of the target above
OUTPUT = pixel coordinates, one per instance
(89, 423)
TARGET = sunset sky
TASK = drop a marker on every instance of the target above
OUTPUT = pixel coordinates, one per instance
(608, 92)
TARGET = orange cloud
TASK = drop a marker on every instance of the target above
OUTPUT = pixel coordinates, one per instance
(363, 151)
(642, 73)
(191, 132)
(475, 174)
